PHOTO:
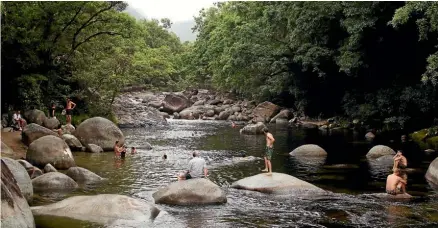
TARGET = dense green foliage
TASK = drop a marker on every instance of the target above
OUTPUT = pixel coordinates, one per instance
(362, 60)
(85, 50)
(372, 61)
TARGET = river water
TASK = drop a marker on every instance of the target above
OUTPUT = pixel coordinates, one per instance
(353, 183)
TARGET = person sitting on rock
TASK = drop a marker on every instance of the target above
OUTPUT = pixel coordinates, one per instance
(197, 168)
(17, 120)
(395, 184)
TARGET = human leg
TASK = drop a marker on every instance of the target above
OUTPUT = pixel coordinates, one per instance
(266, 165)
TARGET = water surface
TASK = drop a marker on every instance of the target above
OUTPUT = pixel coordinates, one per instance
(351, 206)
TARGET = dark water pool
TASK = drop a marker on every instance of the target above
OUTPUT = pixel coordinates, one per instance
(351, 205)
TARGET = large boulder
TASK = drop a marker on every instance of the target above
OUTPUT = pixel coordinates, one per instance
(53, 181)
(253, 129)
(432, 172)
(309, 150)
(51, 123)
(35, 116)
(277, 183)
(82, 175)
(379, 150)
(175, 103)
(197, 191)
(15, 211)
(283, 114)
(72, 142)
(21, 176)
(265, 110)
(104, 209)
(33, 132)
(99, 131)
(50, 149)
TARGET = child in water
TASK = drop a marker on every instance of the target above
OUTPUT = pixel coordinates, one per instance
(133, 150)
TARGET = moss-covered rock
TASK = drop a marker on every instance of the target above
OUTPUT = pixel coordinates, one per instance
(425, 143)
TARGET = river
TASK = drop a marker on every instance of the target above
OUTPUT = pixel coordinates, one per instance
(350, 206)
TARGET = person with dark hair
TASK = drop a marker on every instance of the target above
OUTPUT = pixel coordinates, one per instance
(117, 149)
(133, 150)
(52, 111)
(400, 161)
(269, 151)
(165, 156)
(18, 121)
(197, 168)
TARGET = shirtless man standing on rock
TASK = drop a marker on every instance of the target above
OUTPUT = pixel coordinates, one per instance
(269, 150)
(70, 105)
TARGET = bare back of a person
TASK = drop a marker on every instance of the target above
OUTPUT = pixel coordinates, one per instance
(391, 182)
(269, 141)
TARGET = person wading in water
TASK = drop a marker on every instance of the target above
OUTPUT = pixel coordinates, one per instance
(269, 151)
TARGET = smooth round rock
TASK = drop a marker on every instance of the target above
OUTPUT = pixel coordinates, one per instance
(35, 116)
(53, 181)
(99, 131)
(380, 150)
(308, 150)
(82, 175)
(51, 123)
(72, 141)
(105, 209)
(199, 191)
(277, 183)
(94, 148)
(432, 172)
(50, 149)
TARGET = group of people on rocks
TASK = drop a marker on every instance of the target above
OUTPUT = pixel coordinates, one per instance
(18, 123)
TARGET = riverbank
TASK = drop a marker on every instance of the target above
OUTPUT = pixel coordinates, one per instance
(14, 142)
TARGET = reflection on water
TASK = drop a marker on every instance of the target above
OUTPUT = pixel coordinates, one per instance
(344, 171)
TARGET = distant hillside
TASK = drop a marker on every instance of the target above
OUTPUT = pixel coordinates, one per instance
(182, 29)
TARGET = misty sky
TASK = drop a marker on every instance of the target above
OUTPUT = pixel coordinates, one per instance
(175, 10)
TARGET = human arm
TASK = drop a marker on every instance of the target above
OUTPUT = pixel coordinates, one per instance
(401, 180)
(73, 105)
(53, 112)
(205, 172)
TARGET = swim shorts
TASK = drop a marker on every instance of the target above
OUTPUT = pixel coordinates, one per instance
(68, 111)
(268, 152)
(123, 155)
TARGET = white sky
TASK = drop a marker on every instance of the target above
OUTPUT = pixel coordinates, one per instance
(175, 10)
